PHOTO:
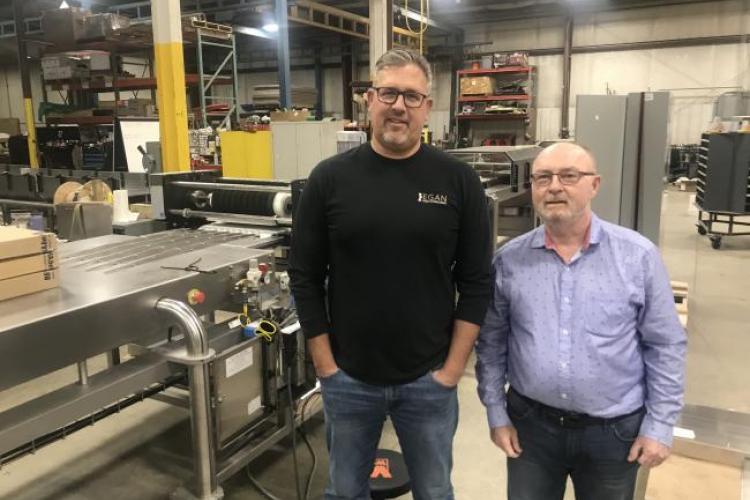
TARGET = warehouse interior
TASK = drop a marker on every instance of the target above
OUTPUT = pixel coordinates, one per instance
(157, 150)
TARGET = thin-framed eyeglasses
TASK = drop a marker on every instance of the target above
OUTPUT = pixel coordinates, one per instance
(389, 95)
(568, 177)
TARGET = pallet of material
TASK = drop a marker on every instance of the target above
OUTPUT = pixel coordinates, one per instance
(680, 292)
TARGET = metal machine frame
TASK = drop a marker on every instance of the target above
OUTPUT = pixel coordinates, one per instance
(161, 295)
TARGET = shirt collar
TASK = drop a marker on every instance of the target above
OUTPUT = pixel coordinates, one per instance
(593, 236)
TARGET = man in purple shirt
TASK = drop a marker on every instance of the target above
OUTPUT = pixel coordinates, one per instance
(584, 328)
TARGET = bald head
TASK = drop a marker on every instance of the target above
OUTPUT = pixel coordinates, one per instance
(565, 155)
(564, 181)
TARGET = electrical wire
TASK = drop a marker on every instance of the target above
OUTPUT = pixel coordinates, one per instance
(259, 487)
(303, 433)
(422, 25)
(254, 482)
(424, 11)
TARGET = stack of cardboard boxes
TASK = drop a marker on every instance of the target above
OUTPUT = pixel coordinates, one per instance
(28, 262)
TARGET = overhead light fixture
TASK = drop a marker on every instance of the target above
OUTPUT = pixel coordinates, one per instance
(64, 5)
(244, 30)
(271, 27)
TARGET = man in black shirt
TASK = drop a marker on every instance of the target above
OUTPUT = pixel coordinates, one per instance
(396, 228)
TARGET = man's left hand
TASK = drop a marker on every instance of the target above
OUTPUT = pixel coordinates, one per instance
(443, 377)
(648, 452)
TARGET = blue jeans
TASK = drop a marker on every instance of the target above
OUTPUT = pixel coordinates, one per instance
(424, 414)
(595, 456)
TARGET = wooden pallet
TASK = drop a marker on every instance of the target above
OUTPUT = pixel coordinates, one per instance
(680, 291)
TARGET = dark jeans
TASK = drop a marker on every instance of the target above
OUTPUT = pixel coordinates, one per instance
(594, 455)
(424, 414)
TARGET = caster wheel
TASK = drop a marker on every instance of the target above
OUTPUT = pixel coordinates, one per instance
(715, 243)
(702, 230)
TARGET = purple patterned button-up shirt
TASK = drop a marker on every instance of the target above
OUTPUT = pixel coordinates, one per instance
(599, 335)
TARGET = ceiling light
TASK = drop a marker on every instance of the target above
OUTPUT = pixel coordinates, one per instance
(64, 5)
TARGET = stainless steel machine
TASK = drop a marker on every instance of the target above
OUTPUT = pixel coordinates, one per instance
(505, 172)
(203, 308)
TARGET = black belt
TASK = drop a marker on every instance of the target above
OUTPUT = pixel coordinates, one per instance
(567, 418)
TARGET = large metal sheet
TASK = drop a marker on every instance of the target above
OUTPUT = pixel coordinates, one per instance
(106, 298)
(713, 434)
(600, 126)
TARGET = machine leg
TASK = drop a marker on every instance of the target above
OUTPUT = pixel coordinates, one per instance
(198, 354)
(83, 373)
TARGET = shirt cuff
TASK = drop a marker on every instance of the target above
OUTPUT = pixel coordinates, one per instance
(497, 416)
(656, 430)
(312, 329)
(472, 311)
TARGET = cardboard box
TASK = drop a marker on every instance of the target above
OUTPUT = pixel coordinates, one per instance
(99, 61)
(62, 67)
(477, 85)
(144, 210)
(10, 268)
(19, 242)
(28, 283)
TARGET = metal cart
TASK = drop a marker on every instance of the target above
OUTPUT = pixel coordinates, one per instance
(706, 221)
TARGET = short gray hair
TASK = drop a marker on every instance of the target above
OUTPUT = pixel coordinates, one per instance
(403, 57)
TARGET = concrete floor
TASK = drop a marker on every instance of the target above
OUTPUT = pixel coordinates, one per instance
(143, 452)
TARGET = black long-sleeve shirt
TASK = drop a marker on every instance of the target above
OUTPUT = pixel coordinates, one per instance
(396, 239)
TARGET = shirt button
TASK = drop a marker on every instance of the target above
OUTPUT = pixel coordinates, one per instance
(567, 300)
(563, 364)
(565, 332)
(564, 395)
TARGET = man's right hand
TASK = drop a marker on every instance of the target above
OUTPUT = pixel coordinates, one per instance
(322, 357)
(506, 438)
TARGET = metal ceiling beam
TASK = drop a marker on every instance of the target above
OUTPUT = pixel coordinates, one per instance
(496, 12)
(650, 45)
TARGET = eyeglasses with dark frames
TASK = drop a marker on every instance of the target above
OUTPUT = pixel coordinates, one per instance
(566, 177)
(389, 95)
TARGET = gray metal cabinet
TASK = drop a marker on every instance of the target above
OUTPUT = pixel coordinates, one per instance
(628, 136)
(299, 146)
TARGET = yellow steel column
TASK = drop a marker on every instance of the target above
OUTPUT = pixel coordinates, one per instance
(23, 66)
(170, 85)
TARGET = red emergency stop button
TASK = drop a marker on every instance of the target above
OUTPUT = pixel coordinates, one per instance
(196, 297)
(263, 267)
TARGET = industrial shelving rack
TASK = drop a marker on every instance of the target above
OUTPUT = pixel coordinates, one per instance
(205, 36)
(522, 123)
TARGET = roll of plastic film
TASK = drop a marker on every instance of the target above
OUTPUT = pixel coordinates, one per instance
(282, 204)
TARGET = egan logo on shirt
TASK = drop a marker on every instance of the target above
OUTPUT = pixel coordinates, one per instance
(437, 199)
